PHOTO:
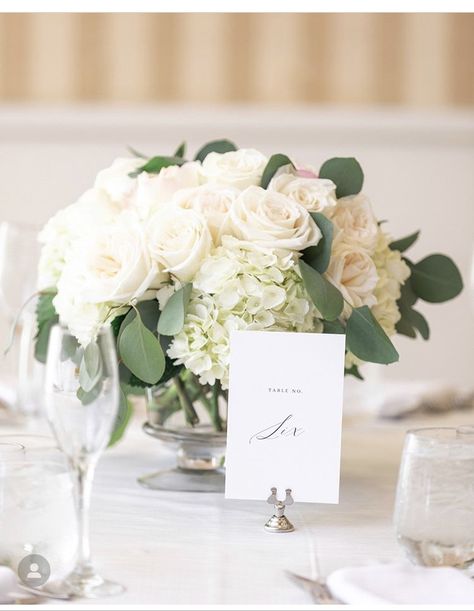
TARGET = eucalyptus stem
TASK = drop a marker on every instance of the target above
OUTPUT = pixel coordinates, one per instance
(214, 413)
(186, 403)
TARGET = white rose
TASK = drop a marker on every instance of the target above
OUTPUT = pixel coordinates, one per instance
(238, 169)
(115, 180)
(315, 194)
(179, 240)
(153, 190)
(354, 217)
(354, 273)
(272, 220)
(213, 202)
(94, 208)
(112, 265)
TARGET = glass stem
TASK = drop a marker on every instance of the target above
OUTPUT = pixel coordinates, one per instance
(85, 474)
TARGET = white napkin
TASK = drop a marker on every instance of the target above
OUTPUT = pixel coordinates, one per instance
(8, 583)
(401, 584)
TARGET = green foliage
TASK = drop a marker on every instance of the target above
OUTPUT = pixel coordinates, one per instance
(180, 151)
(405, 243)
(90, 369)
(318, 256)
(333, 326)
(156, 164)
(46, 318)
(346, 174)
(274, 163)
(88, 397)
(325, 296)
(411, 320)
(436, 279)
(353, 371)
(123, 418)
(172, 317)
(367, 340)
(136, 153)
(216, 146)
(141, 352)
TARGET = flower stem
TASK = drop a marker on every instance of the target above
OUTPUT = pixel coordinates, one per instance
(186, 403)
(215, 416)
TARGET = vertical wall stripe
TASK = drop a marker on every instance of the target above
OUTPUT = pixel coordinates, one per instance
(90, 58)
(51, 67)
(389, 40)
(426, 59)
(200, 61)
(351, 58)
(461, 59)
(16, 55)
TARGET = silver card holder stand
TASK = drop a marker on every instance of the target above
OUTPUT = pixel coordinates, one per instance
(279, 523)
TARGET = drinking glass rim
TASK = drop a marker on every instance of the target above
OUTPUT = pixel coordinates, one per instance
(423, 435)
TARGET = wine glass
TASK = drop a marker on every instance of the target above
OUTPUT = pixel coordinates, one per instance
(82, 416)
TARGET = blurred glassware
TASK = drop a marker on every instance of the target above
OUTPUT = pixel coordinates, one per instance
(434, 512)
(82, 423)
(37, 509)
(19, 255)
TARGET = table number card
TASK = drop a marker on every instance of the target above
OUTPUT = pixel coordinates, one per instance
(285, 412)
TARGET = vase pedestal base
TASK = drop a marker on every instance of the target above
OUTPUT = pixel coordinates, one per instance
(185, 480)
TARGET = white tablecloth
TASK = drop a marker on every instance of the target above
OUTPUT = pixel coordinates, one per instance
(184, 548)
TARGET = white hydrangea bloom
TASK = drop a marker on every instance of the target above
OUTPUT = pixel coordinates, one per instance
(240, 287)
(392, 272)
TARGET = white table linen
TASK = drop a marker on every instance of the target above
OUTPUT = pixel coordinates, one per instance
(189, 548)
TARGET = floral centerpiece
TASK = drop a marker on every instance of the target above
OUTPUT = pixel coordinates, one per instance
(176, 254)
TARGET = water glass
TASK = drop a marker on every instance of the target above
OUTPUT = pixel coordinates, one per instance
(434, 512)
(37, 509)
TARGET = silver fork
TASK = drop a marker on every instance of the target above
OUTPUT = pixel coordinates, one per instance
(318, 590)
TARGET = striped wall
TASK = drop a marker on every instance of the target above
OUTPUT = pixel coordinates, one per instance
(356, 59)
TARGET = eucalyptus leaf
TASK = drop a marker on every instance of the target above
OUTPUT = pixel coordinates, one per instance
(325, 296)
(172, 317)
(403, 327)
(180, 151)
(404, 243)
(156, 164)
(367, 340)
(216, 146)
(123, 418)
(410, 320)
(346, 174)
(90, 369)
(42, 339)
(436, 278)
(274, 164)
(88, 397)
(419, 322)
(318, 256)
(333, 326)
(69, 348)
(141, 351)
(46, 318)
